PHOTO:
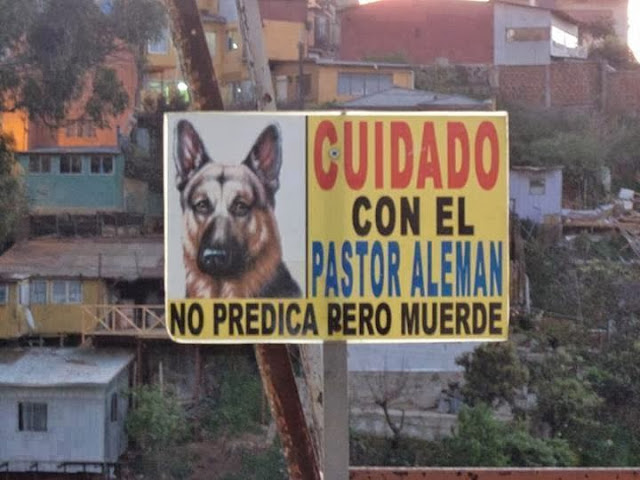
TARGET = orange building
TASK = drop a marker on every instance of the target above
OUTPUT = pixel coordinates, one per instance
(78, 132)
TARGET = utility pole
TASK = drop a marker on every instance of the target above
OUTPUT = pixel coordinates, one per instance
(257, 61)
(273, 360)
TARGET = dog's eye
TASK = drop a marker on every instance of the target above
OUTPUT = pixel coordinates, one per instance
(239, 208)
(202, 206)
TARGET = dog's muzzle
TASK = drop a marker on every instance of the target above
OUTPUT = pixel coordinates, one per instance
(215, 258)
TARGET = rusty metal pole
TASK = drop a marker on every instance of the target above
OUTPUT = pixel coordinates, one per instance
(280, 386)
(273, 360)
(191, 45)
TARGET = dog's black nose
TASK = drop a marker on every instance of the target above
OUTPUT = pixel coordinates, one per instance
(215, 258)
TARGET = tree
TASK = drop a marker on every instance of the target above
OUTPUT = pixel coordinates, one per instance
(158, 427)
(55, 54)
(493, 374)
(13, 203)
(482, 440)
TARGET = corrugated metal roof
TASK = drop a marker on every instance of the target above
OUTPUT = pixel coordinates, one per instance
(77, 150)
(399, 98)
(52, 367)
(113, 258)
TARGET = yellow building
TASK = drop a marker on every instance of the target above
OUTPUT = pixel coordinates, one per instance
(53, 286)
(326, 82)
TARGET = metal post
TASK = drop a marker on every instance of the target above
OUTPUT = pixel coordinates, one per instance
(336, 411)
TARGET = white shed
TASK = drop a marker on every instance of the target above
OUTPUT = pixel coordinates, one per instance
(535, 193)
(63, 409)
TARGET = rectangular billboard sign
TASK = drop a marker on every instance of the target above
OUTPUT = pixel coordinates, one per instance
(301, 227)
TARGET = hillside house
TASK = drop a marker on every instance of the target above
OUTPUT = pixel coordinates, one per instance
(328, 81)
(63, 410)
(487, 33)
(535, 193)
(51, 287)
(294, 32)
(74, 179)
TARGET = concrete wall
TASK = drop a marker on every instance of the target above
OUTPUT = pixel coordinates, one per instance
(75, 193)
(75, 427)
(532, 206)
(508, 16)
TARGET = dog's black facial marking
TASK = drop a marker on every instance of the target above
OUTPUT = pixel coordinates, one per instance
(221, 259)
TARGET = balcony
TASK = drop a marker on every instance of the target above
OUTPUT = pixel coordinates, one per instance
(139, 321)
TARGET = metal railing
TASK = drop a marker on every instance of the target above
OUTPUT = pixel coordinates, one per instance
(123, 319)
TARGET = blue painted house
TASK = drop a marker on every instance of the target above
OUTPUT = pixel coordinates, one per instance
(74, 179)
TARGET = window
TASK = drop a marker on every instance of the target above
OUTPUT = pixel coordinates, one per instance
(32, 417)
(39, 164)
(528, 34)
(363, 83)
(102, 164)
(66, 291)
(564, 38)
(306, 84)
(70, 164)
(81, 128)
(242, 92)
(211, 42)
(4, 293)
(321, 30)
(114, 407)
(232, 40)
(37, 292)
(161, 45)
(536, 186)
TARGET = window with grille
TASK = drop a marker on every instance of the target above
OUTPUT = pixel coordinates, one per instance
(4, 293)
(70, 164)
(537, 186)
(114, 407)
(32, 417)
(101, 165)
(363, 83)
(39, 164)
(66, 291)
(37, 291)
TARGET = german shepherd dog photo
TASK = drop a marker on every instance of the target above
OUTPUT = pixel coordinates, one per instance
(231, 241)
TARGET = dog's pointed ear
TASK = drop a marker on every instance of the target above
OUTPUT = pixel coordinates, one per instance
(190, 154)
(265, 159)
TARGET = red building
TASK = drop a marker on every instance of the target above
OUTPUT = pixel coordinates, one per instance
(419, 31)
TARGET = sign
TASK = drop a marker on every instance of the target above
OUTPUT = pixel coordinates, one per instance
(297, 227)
